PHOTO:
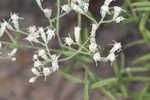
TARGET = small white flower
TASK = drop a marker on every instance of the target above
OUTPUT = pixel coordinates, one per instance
(3, 28)
(117, 11)
(66, 8)
(93, 47)
(50, 34)
(14, 17)
(107, 2)
(77, 34)
(119, 19)
(35, 71)
(13, 52)
(111, 57)
(35, 57)
(32, 29)
(13, 58)
(33, 79)
(104, 10)
(68, 41)
(85, 7)
(96, 57)
(77, 8)
(42, 54)
(55, 66)
(37, 63)
(54, 58)
(33, 37)
(43, 34)
(46, 71)
(47, 12)
(116, 47)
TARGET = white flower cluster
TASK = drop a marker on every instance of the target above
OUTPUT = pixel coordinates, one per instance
(76, 5)
(69, 41)
(116, 11)
(111, 56)
(14, 19)
(39, 68)
(36, 33)
(4, 26)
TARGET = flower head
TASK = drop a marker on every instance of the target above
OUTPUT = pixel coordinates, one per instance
(68, 41)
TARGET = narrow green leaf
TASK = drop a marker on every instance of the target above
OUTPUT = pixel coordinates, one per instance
(142, 59)
(134, 43)
(136, 78)
(90, 74)
(103, 83)
(68, 52)
(86, 91)
(144, 3)
(142, 9)
(83, 58)
(136, 69)
(124, 91)
(71, 78)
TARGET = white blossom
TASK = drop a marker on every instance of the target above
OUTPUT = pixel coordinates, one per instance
(68, 41)
(119, 19)
(33, 37)
(104, 10)
(50, 34)
(47, 12)
(43, 34)
(35, 57)
(33, 79)
(92, 47)
(111, 57)
(14, 17)
(46, 71)
(42, 54)
(32, 29)
(96, 57)
(3, 27)
(116, 47)
(37, 63)
(117, 11)
(66, 8)
(35, 71)
(13, 58)
(55, 66)
(54, 58)
(13, 52)
(77, 34)
(107, 2)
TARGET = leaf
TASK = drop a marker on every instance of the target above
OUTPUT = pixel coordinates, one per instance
(90, 74)
(68, 52)
(142, 59)
(102, 83)
(18, 36)
(134, 43)
(71, 78)
(141, 9)
(86, 90)
(144, 3)
(85, 35)
(136, 69)
(83, 58)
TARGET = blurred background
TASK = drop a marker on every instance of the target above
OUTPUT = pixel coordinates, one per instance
(14, 75)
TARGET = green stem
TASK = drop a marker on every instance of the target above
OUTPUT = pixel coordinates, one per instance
(58, 23)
